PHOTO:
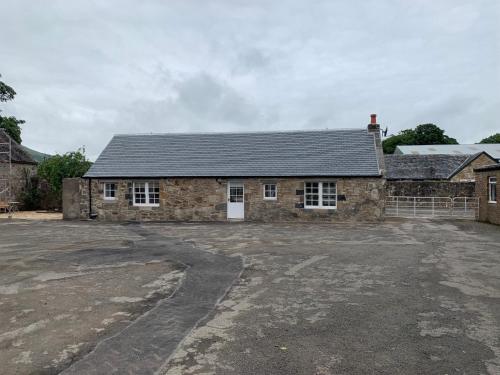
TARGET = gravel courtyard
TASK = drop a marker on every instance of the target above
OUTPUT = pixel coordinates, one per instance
(400, 297)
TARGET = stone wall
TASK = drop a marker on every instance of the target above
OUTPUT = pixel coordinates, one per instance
(75, 199)
(467, 174)
(17, 178)
(488, 212)
(204, 199)
(430, 189)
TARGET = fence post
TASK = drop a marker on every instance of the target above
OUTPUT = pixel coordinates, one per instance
(465, 205)
(432, 206)
(397, 206)
(414, 206)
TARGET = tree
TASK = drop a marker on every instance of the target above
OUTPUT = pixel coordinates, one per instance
(424, 134)
(10, 124)
(58, 167)
(495, 138)
(6, 92)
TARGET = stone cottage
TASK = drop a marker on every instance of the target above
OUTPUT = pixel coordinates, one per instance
(324, 175)
(488, 191)
(433, 175)
(16, 166)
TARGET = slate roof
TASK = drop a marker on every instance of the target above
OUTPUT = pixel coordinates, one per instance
(18, 154)
(492, 149)
(349, 152)
(493, 167)
(425, 167)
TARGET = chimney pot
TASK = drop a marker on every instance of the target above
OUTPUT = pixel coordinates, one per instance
(373, 117)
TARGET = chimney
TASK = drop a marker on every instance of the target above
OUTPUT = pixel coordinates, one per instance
(373, 126)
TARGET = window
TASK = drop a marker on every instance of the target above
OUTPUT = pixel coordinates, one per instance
(110, 191)
(270, 192)
(146, 193)
(492, 190)
(236, 193)
(320, 195)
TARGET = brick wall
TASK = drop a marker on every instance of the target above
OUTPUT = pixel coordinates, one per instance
(204, 199)
(488, 212)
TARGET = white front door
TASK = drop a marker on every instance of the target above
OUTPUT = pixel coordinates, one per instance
(235, 200)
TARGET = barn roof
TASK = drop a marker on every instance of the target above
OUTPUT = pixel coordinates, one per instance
(426, 167)
(346, 152)
(486, 168)
(492, 149)
(18, 154)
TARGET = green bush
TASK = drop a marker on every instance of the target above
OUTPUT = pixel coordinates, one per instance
(30, 197)
(58, 167)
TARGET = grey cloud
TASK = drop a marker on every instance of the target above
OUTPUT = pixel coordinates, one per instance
(198, 103)
(85, 70)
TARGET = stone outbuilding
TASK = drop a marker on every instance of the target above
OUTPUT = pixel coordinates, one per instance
(433, 175)
(16, 167)
(325, 175)
(492, 149)
(488, 191)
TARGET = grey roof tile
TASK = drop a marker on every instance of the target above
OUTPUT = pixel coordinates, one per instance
(349, 152)
(423, 167)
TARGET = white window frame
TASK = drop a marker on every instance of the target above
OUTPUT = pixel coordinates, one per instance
(320, 195)
(264, 191)
(492, 186)
(146, 192)
(105, 188)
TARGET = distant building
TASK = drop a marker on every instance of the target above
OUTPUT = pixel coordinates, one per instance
(493, 149)
(488, 191)
(16, 165)
(433, 175)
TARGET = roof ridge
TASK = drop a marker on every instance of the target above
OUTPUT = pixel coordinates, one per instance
(245, 132)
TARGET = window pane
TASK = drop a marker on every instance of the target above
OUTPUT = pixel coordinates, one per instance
(140, 193)
(329, 195)
(236, 194)
(154, 192)
(270, 191)
(109, 190)
(312, 194)
(492, 189)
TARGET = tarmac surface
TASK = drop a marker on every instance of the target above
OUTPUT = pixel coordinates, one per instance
(399, 297)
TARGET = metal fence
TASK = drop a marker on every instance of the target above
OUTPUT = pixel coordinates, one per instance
(459, 207)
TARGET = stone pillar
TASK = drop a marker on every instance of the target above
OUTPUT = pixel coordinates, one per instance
(73, 198)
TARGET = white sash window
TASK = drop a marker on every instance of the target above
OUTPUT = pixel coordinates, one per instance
(146, 193)
(320, 195)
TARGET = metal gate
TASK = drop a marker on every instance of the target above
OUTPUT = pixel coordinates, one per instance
(459, 207)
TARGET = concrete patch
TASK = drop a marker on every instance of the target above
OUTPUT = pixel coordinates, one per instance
(125, 299)
(51, 275)
(293, 271)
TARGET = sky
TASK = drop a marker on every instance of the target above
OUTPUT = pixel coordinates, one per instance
(85, 70)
